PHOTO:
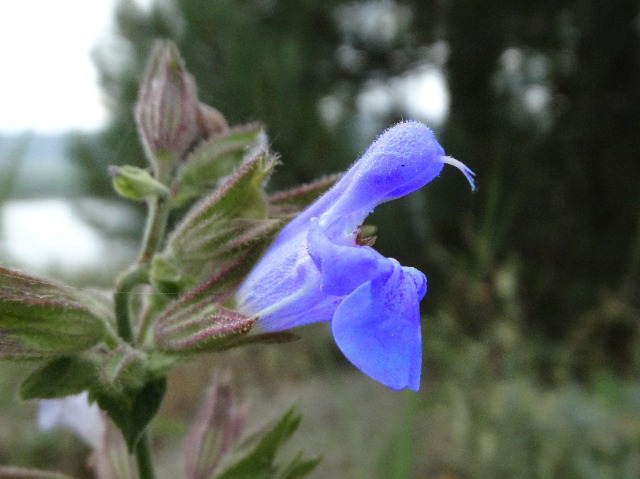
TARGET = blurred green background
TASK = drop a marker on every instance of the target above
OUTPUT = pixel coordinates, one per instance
(531, 322)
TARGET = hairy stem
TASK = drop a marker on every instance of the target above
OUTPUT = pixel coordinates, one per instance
(122, 298)
(137, 275)
(154, 232)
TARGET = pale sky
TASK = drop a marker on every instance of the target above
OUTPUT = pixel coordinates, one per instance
(44, 233)
(48, 85)
(48, 81)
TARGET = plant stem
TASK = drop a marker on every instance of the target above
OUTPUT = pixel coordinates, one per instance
(400, 467)
(122, 298)
(156, 225)
(139, 273)
(143, 458)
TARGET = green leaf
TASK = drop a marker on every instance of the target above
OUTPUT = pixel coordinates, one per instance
(129, 387)
(40, 318)
(211, 248)
(214, 159)
(167, 276)
(256, 457)
(226, 236)
(299, 467)
(199, 320)
(219, 230)
(60, 377)
(240, 195)
(132, 409)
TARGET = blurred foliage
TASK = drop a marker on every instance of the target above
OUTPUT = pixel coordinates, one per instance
(560, 187)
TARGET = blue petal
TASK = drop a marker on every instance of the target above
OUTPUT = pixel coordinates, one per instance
(377, 327)
(283, 289)
(343, 267)
(403, 159)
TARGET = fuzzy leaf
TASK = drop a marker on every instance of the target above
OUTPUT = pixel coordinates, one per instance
(171, 276)
(256, 457)
(219, 286)
(240, 195)
(212, 247)
(218, 238)
(129, 387)
(208, 327)
(167, 275)
(215, 159)
(59, 378)
(40, 318)
(132, 409)
(218, 230)
(198, 321)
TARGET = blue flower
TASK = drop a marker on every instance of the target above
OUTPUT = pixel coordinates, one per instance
(316, 270)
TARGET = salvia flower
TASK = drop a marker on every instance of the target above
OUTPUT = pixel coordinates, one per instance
(318, 270)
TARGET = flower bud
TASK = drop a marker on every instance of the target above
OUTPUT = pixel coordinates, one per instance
(135, 183)
(167, 111)
(211, 121)
(216, 428)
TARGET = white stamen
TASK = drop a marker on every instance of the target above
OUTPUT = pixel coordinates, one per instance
(462, 167)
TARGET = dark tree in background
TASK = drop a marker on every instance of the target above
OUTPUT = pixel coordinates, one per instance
(544, 106)
(561, 191)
